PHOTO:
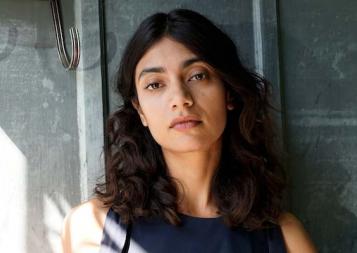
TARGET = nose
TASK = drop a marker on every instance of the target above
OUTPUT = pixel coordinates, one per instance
(181, 97)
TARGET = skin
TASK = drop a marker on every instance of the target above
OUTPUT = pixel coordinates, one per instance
(191, 156)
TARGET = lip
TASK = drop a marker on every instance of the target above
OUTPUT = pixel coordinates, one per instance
(185, 119)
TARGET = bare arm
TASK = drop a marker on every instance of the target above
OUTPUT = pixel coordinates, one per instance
(66, 236)
(295, 236)
(83, 228)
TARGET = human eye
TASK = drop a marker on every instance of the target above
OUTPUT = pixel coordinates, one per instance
(154, 84)
(199, 76)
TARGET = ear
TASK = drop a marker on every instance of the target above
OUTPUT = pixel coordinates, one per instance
(137, 107)
(229, 100)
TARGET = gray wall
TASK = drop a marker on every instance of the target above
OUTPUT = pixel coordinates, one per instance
(50, 122)
(319, 67)
(38, 114)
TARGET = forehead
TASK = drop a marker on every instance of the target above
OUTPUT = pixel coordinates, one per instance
(164, 48)
(165, 53)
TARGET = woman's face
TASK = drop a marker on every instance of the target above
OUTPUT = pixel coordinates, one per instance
(170, 82)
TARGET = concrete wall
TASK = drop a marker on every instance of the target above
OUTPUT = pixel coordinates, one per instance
(51, 131)
(319, 66)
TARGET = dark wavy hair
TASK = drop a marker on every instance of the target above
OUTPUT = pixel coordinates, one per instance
(248, 185)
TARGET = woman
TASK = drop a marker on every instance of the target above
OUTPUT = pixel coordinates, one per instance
(190, 163)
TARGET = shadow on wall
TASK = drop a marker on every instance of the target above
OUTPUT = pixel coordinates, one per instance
(322, 141)
(316, 194)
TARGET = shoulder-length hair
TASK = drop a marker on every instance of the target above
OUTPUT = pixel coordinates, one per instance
(249, 181)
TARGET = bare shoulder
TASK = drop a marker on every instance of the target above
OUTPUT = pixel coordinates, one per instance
(295, 236)
(83, 227)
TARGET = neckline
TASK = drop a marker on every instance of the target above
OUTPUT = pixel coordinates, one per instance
(198, 217)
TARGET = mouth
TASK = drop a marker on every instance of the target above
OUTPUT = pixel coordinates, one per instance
(186, 125)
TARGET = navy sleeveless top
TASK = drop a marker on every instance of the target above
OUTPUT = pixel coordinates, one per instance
(196, 235)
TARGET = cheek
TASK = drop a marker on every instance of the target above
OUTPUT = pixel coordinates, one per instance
(215, 107)
(219, 115)
(159, 131)
(214, 101)
(155, 117)
(150, 108)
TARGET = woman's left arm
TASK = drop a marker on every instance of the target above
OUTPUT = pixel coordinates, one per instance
(295, 236)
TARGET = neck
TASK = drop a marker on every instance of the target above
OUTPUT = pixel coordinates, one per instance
(194, 172)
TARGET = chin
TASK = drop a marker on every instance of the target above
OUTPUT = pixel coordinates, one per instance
(187, 147)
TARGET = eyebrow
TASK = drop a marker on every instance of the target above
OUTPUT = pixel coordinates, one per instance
(184, 64)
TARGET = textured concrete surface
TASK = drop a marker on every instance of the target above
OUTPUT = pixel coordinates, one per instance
(50, 122)
(319, 62)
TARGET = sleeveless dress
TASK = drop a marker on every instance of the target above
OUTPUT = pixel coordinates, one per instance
(196, 235)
